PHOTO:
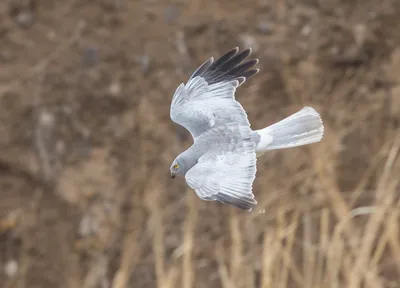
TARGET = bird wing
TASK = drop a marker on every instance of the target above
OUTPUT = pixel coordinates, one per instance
(227, 175)
(208, 98)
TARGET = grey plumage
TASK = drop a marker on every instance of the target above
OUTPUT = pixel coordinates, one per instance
(221, 163)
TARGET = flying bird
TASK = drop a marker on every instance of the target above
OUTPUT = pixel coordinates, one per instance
(221, 163)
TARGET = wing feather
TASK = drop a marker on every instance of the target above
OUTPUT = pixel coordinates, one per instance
(226, 68)
(227, 176)
(208, 98)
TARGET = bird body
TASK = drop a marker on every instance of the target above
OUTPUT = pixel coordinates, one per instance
(221, 163)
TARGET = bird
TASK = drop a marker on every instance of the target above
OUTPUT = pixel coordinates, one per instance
(221, 164)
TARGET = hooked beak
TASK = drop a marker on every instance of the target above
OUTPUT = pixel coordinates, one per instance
(172, 175)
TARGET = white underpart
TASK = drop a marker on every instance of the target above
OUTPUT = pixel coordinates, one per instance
(301, 128)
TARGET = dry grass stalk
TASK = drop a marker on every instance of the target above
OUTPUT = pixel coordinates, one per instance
(188, 236)
(269, 258)
(130, 252)
(249, 279)
(97, 272)
(158, 237)
(323, 241)
(308, 254)
(393, 234)
(282, 232)
(226, 281)
(334, 262)
(236, 248)
(380, 247)
(171, 277)
(368, 173)
(288, 263)
(322, 161)
(130, 256)
(385, 192)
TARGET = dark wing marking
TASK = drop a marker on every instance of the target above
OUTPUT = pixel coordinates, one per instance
(228, 67)
(208, 98)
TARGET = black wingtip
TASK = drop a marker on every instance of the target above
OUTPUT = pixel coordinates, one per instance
(235, 49)
(203, 67)
(224, 59)
(247, 51)
(230, 66)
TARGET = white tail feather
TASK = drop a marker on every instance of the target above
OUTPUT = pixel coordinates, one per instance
(301, 128)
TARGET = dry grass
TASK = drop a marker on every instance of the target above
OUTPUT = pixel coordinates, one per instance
(86, 199)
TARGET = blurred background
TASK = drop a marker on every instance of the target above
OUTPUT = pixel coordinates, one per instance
(86, 143)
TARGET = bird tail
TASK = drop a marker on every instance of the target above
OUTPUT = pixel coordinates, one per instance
(301, 128)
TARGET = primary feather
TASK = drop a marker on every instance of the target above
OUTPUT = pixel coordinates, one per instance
(221, 163)
(208, 98)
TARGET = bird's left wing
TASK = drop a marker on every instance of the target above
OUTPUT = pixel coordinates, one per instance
(208, 98)
(227, 176)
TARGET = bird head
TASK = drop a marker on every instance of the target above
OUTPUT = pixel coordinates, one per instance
(177, 168)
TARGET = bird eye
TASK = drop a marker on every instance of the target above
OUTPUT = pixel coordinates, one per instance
(176, 166)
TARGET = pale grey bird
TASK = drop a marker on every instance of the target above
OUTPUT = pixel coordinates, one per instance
(221, 163)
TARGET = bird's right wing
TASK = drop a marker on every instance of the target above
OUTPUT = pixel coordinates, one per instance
(208, 98)
(227, 176)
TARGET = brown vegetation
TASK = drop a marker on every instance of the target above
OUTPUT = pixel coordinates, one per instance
(86, 144)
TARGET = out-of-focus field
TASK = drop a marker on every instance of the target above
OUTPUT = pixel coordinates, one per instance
(86, 144)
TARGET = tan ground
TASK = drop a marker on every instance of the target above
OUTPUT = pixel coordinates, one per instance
(86, 143)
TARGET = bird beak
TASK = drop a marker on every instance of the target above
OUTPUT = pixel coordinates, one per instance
(172, 175)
